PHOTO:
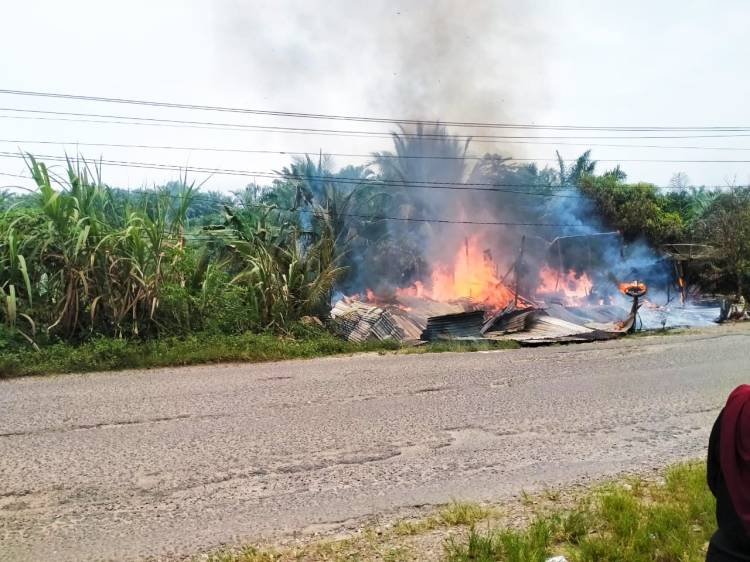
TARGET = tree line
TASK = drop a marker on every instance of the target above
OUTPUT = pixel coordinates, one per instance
(82, 259)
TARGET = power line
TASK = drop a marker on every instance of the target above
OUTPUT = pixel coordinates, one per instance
(153, 121)
(546, 143)
(370, 119)
(15, 175)
(369, 156)
(464, 186)
(447, 187)
(370, 217)
(346, 181)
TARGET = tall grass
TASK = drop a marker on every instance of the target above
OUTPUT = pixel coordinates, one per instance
(81, 259)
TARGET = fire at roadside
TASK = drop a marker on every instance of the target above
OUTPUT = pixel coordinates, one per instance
(561, 298)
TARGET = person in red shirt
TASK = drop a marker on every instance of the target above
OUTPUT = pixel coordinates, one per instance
(729, 479)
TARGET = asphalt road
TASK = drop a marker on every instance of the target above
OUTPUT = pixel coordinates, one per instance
(173, 461)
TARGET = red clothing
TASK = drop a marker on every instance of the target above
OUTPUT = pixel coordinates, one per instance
(734, 451)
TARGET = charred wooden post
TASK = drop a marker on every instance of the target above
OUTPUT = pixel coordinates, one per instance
(560, 268)
(519, 269)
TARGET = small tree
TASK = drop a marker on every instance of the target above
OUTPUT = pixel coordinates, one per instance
(726, 225)
(635, 209)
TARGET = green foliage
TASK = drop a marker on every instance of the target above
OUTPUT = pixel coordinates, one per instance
(683, 214)
(634, 209)
(583, 167)
(463, 513)
(101, 354)
(725, 223)
(81, 260)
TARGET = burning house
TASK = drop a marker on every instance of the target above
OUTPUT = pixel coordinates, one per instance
(474, 298)
(529, 262)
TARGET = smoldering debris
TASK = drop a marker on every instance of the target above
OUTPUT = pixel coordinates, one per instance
(564, 306)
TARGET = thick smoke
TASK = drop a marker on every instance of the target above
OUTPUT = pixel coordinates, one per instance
(438, 60)
(429, 60)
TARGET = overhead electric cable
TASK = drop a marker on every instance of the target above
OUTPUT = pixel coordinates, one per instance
(379, 217)
(153, 121)
(359, 118)
(355, 155)
(466, 186)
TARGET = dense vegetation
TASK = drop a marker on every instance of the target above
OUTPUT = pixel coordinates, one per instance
(80, 260)
(85, 260)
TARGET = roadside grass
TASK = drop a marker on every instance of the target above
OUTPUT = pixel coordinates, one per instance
(453, 514)
(463, 513)
(110, 354)
(106, 354)
(630, 520)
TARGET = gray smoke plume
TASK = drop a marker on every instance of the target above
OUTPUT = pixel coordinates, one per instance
(429, 60)
(436, 61)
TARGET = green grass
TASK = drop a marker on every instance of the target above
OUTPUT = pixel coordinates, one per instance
(105, 354)
(108, 354)
(632, 520)
(463, 513)
(453, 514)
(626, 522)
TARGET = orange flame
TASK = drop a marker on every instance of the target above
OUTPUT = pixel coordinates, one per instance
(473, 275)
(633, 287)
(573, 287)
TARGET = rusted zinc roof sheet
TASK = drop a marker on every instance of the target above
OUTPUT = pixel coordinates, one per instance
(452, 326)
(509, 320)
(419, 309)
(358, 322)
(545, 329)
(395, 324)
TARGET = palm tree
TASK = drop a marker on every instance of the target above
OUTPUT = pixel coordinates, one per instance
(571, 175)
(425, 154)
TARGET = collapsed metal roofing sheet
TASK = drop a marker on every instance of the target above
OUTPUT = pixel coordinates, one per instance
(358, 322)
(459, 325)
(545, 328)
(509, 320)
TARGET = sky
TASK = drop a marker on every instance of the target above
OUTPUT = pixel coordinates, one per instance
(584, 63)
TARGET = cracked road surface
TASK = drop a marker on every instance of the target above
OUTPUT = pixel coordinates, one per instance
(170, 462)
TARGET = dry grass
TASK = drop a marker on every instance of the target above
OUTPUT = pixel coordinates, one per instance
(631, 520)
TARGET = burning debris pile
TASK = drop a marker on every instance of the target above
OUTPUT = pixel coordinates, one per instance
(469, 262)
(474, 299)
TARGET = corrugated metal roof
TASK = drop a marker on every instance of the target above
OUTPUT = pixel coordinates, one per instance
(358, 322)
(509, 320)
(545, 328)
(460, 325)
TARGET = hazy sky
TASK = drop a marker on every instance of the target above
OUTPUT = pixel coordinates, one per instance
(638, 63)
